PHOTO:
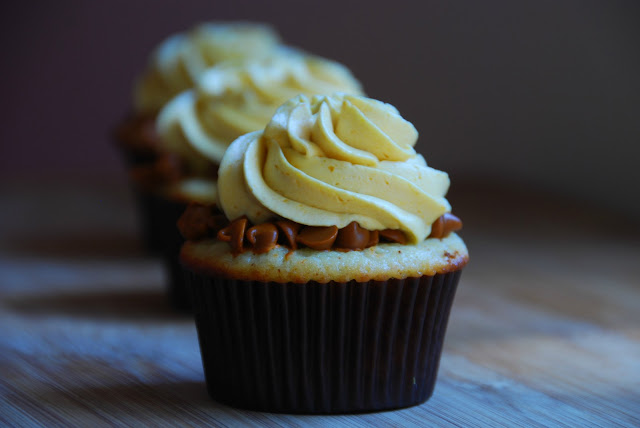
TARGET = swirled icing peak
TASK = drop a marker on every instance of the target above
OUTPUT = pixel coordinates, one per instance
(238, 97)
(178, 61)
(330, 161)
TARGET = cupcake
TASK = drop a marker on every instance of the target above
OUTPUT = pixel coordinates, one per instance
(196, 127)
(323, 281)
(238, 97)
(174, 66)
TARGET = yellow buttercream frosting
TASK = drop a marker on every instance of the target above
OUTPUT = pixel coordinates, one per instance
(331, 160)
(177, 62)
(238, 97)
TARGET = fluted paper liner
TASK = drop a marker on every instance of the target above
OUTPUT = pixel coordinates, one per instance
(322, 348)
(158, 217)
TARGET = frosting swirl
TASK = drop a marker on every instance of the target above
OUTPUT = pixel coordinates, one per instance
(330, 161)
(179, 60)
(238, 97)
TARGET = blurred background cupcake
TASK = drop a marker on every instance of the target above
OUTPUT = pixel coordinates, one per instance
(194, 128)
(173, 67)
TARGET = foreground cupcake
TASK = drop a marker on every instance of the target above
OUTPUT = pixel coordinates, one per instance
(325, 283)
(197, 126)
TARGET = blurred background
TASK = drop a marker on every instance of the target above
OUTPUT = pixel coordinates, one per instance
(542, 94)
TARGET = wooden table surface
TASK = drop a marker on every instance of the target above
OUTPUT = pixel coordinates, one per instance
(544, 331)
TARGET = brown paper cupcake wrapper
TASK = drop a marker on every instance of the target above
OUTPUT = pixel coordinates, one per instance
(177, 291)
(322, 348)
(158, 217)
(160, 234)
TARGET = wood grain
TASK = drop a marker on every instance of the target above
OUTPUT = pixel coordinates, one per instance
(545, 329)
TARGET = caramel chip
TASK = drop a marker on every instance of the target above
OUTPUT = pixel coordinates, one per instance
(168, 168)
(165, 169)
(234, 234)
(318, 237)
(374, 238)
(263, 237)
(195, 222)
(394, 235)
(352, 237)
(289, 230)
(444, 225)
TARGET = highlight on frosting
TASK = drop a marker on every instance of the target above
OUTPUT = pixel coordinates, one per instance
(238, 97)
(177, 62)
(331, 161)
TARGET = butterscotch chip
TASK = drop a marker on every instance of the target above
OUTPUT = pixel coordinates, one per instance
(444, 225)
(374, 238)
(318, 238)
(234, 234)
(352, 237)
(195, 222)
(263, 237)
(289, 230)
(393, 235)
